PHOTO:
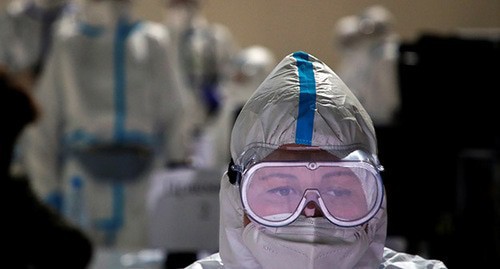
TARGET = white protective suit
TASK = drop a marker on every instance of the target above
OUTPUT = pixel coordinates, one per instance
(368, 49)
(250, 66)
(204, 51)
(111, 110)
(26, 28)
(337, 123)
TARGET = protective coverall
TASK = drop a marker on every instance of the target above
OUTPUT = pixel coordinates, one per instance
(330, 118)
(204, 51)
(26, 28)
(112, 110)
(249, 68)
(368, 48)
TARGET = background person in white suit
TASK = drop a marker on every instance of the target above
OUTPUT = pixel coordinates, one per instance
(111, 110)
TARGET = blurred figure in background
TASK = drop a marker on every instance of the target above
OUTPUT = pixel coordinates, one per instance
(368, 49)
(204, 51)
(26, 31)
(249, 67)
(194, 189)
(111, 110)
(36, 236)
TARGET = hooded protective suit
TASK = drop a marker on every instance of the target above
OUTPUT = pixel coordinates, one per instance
(204, 51)
(111, 110)
(368, 47)
(26, 28)
(332, 119)
(250, 66)
(203, 54)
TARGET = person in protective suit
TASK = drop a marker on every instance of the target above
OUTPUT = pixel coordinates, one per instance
(203, 51)
(368, 48)
(26, 32)
(36, 236)
(304, 188)
(112, 107)
(249, 67)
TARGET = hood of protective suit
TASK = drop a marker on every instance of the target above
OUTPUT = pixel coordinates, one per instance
(106, 13)
(249, 67)
(181, 15)
(330, 117)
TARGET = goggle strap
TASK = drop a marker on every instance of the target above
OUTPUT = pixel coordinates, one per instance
(233, 173)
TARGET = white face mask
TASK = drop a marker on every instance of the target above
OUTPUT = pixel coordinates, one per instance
(308, 243)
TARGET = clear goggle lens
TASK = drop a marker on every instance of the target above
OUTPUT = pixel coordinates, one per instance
(275, 193)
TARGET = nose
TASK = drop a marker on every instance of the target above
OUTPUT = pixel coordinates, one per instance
(312, 210)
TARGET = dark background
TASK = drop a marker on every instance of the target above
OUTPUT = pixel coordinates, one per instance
(441, 155)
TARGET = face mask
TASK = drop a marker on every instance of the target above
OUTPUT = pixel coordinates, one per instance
(307, 243)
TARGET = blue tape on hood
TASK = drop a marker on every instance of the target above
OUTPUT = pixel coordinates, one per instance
(307, 99)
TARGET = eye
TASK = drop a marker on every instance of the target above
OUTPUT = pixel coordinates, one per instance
(339, 192)
(283, 191)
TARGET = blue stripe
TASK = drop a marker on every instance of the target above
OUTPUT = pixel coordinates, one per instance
(111, 226)
(55, 200)
(307, 99)
(90, 30)
(119, 77)
(118, 204)
(122, 33)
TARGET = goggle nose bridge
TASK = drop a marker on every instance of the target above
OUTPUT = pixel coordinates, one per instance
(312, 194)
(309, 193)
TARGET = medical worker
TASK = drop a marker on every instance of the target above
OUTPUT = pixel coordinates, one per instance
(110, 109)
(368, 48)
(304, 189)
(204, 51)
(26, 33)
(26, 28)
(249, 67)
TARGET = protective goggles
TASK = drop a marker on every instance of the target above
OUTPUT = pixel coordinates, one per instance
(349, 193)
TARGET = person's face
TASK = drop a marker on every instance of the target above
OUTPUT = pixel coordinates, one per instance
(280, 189)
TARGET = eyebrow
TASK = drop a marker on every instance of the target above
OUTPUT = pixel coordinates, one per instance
(338, 173)
(278, 175)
